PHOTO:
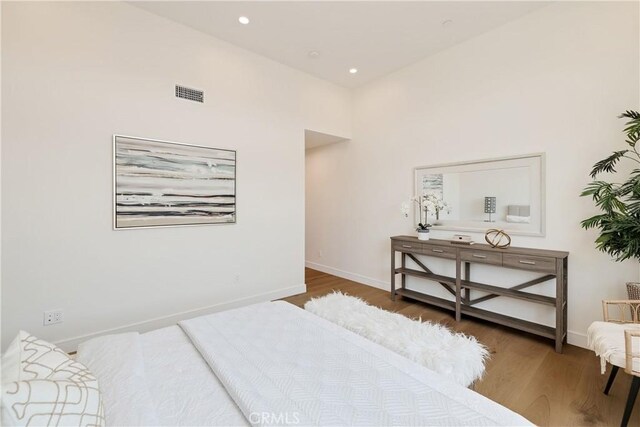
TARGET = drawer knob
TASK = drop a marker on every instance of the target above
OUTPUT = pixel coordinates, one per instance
(438, 250)
(527, 262)
(479, 256)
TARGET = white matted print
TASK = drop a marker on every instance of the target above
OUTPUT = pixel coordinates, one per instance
(162, 184)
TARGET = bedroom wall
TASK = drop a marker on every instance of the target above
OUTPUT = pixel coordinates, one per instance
(553, 81)
(75, 73)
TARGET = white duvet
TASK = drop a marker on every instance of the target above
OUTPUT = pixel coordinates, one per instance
(283, 366)
(184, 390)
(158, 379)
(273, 364)
(118, 363)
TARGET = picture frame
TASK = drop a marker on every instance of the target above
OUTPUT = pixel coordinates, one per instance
(159, 183)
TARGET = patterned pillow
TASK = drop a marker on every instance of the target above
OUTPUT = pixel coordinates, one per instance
(50, 388)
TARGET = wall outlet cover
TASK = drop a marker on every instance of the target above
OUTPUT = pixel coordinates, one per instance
(52, 317)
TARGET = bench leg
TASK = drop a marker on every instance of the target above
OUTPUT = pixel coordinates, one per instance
(612, 376)
(633, 393)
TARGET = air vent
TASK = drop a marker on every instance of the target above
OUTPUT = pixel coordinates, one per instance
(190, 94)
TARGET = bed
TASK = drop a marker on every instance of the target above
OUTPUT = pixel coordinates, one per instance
(273, 364)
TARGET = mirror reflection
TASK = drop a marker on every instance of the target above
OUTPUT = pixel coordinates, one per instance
(503, 193)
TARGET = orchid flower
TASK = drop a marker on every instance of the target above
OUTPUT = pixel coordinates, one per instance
(427, 203)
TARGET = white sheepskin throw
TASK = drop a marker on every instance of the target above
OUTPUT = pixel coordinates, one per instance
(453, 355)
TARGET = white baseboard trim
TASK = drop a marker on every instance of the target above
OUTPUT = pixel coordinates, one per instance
(71, 344)
(349, 276)
(578, 339)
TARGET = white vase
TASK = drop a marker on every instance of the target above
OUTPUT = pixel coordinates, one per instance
(423, 234)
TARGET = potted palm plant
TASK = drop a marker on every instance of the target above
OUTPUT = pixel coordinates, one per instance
(619, 202)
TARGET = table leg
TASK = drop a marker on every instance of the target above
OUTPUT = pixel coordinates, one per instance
(458, 289)
(560, 297)
(393, 273)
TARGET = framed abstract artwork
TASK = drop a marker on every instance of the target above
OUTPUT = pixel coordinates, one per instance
(167, 184)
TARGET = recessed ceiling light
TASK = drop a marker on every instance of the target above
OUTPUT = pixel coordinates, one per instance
(243, 20)
(353, 70)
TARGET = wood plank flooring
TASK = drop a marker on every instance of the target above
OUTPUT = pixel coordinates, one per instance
(524, 373)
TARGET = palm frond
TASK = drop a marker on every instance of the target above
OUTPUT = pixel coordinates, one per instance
(633, 208)
(592, 222)
(619, 220)
(595, 188)
(633, 125)
(608, 164)
(630, 114)
(632, 139)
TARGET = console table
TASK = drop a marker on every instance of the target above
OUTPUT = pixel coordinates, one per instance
(551, 265)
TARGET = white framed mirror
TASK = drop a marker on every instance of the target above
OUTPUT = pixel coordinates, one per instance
(506, 193)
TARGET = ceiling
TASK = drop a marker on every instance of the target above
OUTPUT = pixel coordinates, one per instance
(377, 38)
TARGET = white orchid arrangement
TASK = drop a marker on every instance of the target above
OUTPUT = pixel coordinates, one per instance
(427, 203)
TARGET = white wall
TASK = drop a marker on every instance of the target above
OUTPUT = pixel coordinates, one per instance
(74, 74)
(553, 81)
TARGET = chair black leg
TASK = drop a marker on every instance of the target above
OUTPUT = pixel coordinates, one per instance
(612, 376)
(633, 393)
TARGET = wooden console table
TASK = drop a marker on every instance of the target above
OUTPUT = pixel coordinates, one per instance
(551, 264)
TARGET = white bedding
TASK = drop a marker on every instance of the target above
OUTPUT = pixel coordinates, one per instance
(157, 378)
(118, 364)
(182, 386)
(283, 365)
(270, 364)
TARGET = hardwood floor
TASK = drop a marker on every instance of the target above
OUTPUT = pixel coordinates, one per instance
(524, 373)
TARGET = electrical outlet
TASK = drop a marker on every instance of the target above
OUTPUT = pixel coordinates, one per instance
(320, 253)
(236, 279)
(51, 317)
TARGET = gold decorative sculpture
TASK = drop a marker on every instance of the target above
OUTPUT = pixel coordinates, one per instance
(497, 238)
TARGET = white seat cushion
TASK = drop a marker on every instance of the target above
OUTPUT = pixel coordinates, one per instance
(607, 340)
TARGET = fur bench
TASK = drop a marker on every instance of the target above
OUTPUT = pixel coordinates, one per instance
(454, 355)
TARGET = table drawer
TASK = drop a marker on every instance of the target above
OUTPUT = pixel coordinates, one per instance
(484, 257)
(526, 262)
(407, 246)
(439, 251)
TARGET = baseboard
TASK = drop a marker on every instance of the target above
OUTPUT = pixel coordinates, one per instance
(385, 286)
(577, 338)
(71, 344)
